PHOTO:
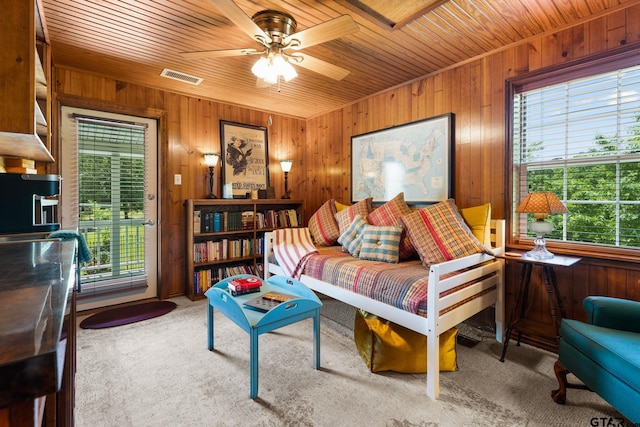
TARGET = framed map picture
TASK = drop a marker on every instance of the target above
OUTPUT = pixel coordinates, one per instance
(415, 158)
(245, 160)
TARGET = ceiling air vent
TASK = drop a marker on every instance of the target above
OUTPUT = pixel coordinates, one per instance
(177, 75)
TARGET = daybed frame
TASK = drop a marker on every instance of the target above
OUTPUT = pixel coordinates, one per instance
(458, 306)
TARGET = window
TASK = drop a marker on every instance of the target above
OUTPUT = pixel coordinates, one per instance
(580, 139)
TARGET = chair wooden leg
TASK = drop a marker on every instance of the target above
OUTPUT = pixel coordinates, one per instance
(560, 395)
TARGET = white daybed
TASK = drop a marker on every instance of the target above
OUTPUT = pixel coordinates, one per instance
(485, 271)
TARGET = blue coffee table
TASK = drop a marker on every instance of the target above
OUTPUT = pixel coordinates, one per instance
(256, 323)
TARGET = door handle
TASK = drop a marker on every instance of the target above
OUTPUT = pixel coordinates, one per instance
(148, 223)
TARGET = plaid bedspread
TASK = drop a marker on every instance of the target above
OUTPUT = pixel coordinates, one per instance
(402, 285)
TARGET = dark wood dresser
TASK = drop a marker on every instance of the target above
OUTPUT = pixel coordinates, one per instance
(37, 346)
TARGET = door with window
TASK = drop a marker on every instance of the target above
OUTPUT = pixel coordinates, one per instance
(109, 194)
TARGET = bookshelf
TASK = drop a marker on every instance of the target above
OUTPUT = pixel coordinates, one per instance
(225, 237)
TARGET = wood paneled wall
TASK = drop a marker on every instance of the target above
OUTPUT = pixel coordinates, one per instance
(320, 147)
(475, 93)
(189, 127)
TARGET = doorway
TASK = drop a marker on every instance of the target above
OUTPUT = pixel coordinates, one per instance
(110, 195)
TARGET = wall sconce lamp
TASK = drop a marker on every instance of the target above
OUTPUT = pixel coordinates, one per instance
(540, 205)
(211, 160)
(286, 167)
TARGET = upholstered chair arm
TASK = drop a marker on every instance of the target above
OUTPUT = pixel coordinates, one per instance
(613, 313)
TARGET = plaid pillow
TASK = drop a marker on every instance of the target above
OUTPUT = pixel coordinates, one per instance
(323, 225)
(346, 216)
(439, 234)
(351, 239)
(381, 243)
(389, 214)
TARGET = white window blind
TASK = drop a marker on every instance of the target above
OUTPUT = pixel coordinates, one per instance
(580, 139)
(106, 201)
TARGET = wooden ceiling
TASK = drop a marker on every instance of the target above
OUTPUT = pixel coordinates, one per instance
(134, 40)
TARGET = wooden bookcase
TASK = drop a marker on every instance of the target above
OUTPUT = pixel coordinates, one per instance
(225, 237)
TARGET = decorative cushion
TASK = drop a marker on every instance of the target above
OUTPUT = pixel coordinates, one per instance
(351, 239)
(386, 346)
(381, 243)
(439, 234)
(340, 206)
(478, 218)
(345, 217)
(389, 214)
(323, 225)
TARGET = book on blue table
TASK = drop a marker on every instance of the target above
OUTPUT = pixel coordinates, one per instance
(268, 301)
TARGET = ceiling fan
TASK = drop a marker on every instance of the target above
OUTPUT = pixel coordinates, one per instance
(276, 32)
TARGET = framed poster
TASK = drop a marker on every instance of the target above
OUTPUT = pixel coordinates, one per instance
(416, 158)
(245, 160)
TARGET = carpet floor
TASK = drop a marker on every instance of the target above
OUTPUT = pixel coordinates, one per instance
(160, 373)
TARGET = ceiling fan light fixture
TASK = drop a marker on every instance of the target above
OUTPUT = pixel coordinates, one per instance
(270, 67)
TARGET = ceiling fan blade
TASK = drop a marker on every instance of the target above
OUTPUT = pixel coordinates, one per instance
(238, 17)
(324, 32)
(321, 67)
(206, 54)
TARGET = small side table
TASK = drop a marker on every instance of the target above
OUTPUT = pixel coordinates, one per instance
(519, 308)
(256, 323)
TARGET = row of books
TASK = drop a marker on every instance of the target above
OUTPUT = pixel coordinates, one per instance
(214, 250)
(206, 278)
(278, 219)
(214, 222)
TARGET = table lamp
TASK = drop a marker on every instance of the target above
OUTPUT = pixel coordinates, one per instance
(211, 160)
(286, 167)
(540, 204)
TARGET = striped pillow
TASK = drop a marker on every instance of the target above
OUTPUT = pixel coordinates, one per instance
(346, 216)
(389, 214)
(439, 234)
(323, 225)
(351, 239)
(381, 243)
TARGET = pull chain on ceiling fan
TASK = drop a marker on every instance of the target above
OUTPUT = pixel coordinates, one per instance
(275, 31)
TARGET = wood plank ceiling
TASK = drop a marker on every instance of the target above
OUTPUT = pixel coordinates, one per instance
(134, 40)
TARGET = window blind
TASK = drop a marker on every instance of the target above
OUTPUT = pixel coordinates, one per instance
(580, 139)
(106, 198)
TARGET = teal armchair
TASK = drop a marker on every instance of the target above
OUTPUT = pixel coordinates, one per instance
(603, 353)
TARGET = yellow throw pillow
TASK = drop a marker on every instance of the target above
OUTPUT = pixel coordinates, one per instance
(340, 206)
(386, 346)
(478, 218)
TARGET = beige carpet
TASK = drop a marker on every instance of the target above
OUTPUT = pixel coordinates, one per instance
(160, 373)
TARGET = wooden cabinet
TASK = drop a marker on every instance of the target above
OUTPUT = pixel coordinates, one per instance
(226, 237)
(25, 65)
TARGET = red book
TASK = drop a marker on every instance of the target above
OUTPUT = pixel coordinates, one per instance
(244, 284)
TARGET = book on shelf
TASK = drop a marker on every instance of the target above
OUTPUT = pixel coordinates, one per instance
(206, 222)
(247, 220)
(268, 301)
(217, 222)
(196, 222)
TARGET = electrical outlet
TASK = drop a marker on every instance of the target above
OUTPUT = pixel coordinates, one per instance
(177, 179)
